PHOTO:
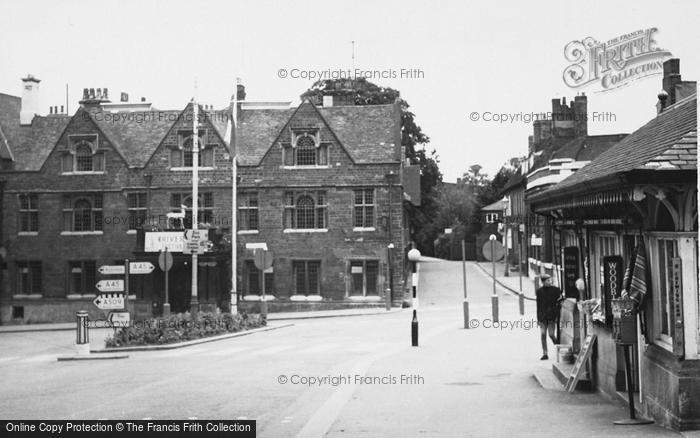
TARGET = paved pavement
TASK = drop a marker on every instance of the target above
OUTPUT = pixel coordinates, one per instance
(329, 376)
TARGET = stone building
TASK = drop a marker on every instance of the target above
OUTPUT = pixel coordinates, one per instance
(320, 187)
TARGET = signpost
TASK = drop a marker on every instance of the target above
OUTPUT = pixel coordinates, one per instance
(111, 270)
(110, 285)
(119, 319)
(140, 268)
(109, 301)
(196, 241)
(165, 262)
(263, 261)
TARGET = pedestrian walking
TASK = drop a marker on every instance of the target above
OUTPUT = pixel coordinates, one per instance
(547, 311)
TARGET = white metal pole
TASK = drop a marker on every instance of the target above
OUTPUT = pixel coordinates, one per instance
(194, 302)
(233, 146)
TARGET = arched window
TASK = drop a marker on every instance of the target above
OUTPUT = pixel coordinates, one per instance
(306, 151)
(82, 216)
(83, 158)
(305, 212)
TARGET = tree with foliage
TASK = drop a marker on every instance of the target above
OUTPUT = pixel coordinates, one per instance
(364, 92)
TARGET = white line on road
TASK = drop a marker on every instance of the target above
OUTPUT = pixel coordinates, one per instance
(322, 420)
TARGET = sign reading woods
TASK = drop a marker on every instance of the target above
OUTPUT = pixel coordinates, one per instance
(615, 63)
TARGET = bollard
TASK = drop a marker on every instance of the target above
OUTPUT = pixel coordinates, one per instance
(494, 307)
(263, 306)
(413, 257)
(414, 329)
(82, 337)
(465, 306)
(521, 303)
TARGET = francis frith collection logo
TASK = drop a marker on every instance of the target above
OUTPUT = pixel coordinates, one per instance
(614, 63)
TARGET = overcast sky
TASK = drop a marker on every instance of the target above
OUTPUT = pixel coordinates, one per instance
(499, 57)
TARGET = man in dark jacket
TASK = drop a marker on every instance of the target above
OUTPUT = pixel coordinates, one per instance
(547, 311)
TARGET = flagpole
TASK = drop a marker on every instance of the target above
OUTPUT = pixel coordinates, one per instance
(233, 146)
(194, 301)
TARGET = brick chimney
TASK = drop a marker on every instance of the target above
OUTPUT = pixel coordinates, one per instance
(581, 115)
(674, 88)
(30, 100)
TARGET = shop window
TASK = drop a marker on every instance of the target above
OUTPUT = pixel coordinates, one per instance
(664, 250)
(364, 275)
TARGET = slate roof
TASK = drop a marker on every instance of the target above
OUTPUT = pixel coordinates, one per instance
(136, 135)
(667, 142)
(29, 145)
(370, 134)
(587, 148)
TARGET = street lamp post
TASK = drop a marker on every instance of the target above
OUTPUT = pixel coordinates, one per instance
(414, 257)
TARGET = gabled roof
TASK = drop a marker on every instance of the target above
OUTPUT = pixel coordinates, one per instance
(369, 133)
(669, 138)
(257, 130)
(28, 145)
(136, 135)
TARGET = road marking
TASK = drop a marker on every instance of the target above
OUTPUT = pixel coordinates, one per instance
(272, 350)
(8, 359)
(321, 421)
(319, 348)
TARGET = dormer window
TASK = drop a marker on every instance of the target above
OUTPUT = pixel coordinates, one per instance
(83, 156)
(182, 156)
(306, 150)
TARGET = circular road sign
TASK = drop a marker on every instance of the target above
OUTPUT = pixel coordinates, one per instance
(495, 254)
(165, 261)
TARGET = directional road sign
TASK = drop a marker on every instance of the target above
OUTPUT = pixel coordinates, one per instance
(141, 267)
(110, 285)
(111, 269)
(119, 319)
(196, 242)
(109, 301)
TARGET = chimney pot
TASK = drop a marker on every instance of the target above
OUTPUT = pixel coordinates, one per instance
(104, 94)
(62, 111)
(50, 110)
(92, 93)
(143, 99)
